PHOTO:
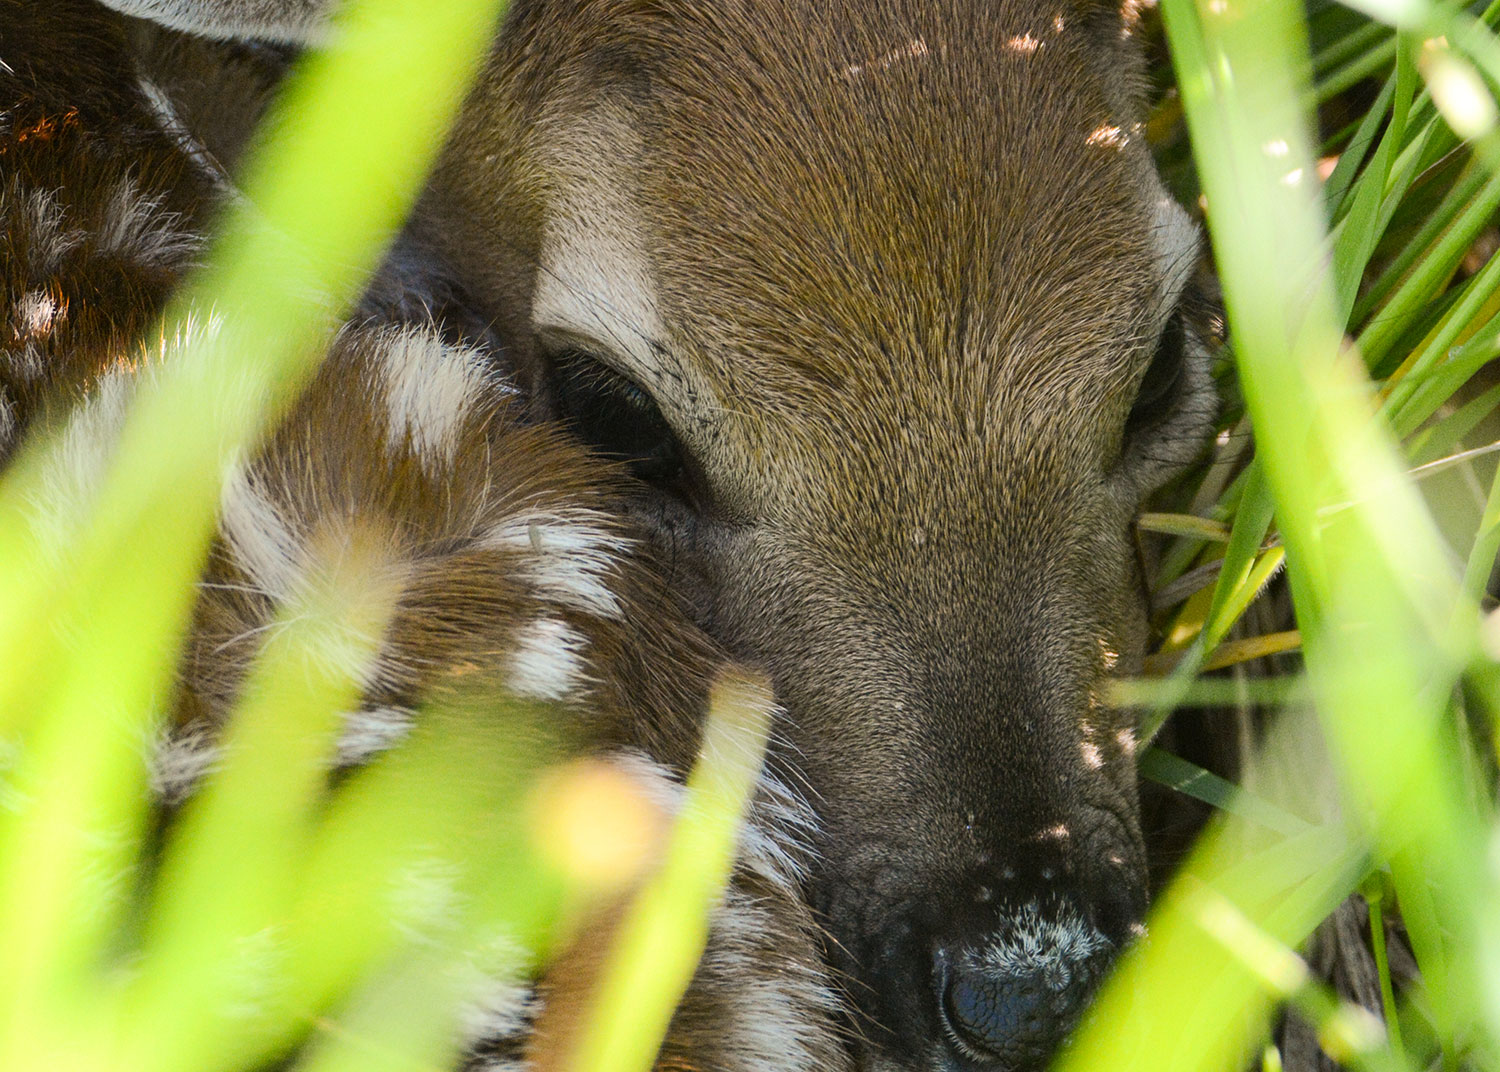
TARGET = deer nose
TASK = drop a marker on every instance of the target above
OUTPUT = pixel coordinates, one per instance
(1009, 1000)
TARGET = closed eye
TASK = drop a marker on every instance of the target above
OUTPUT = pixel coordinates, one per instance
(615, 416)
(1172, 414)
(1158, 390)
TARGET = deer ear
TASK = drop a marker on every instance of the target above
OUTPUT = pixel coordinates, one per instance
(293, 22)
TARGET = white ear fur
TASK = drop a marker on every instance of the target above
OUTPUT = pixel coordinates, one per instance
(295, 22)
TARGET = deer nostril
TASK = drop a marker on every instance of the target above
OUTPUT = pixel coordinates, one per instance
(1011, 1001)
(1016, 1017)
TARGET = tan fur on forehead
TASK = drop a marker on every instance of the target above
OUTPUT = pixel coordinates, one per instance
(945, 234)
(887, 138)
(932, 217)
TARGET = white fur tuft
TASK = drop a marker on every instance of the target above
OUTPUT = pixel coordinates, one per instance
(430, 389)
(502, 1009)
(7, 421)
(570, 557)
(1036, 940)
(779, 1019)
(179, 763)
(77, 460)
(258, 537)
(35, 311)
(370, 731)
(547, 661)
(774, 841)
(138, 228)
(42, 225)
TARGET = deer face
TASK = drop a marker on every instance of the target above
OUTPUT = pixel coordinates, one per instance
(881, 303)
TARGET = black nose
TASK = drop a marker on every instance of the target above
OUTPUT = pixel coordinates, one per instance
(1009, 1000)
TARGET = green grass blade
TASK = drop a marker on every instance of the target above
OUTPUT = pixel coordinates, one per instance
(1374, 194)
(1177, 773)
(240, 843)
(665, 930)
(1354, 153)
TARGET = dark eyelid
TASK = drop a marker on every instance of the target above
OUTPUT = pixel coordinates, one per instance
(614, 415)
(1156, 392)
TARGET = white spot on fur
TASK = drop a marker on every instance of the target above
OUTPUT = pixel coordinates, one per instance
(498, 1003)
(424, 897)
(179, 762)
(333, 583)
(780, 1021)
(547, 660)
(139, 228)
(569, 557)
(502, 1009)
(780, 1003)
(370, 731)
(340, 616)
(775, 839)
(36, 311)
(1092, 758)
(655, 782)
(430, 389)
(78, 459)
(258, 537)
(42, 226)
